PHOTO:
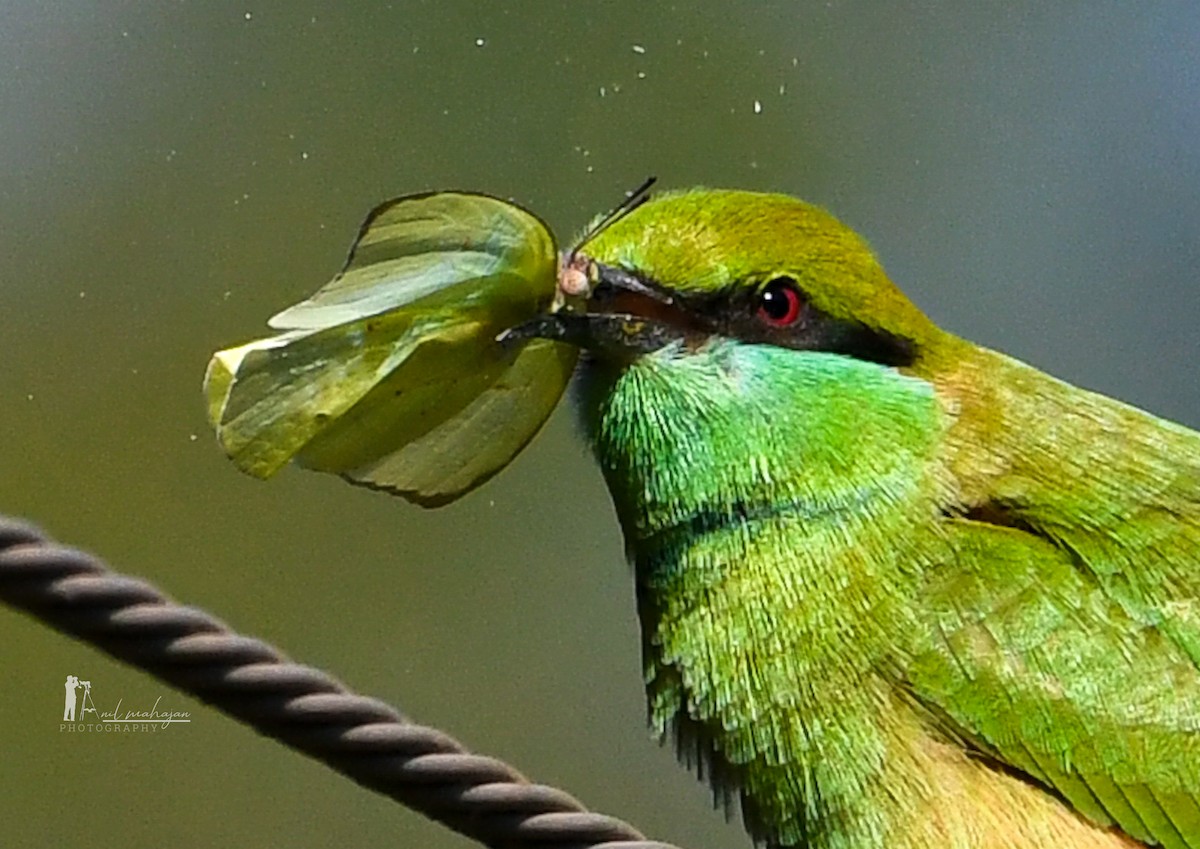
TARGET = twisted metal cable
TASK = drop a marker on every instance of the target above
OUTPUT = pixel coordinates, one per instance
(364, 739)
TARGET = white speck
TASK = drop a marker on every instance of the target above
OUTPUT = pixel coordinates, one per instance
(29, 397)
(757, 107)
(304, 154)
(249, 15)
(589, 169)
(83, 294)
(479, 42)
(782, 88)
(641, 75)
(603, 91)
(638, 49)
(193, 437)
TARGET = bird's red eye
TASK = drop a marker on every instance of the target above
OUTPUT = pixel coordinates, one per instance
(779, 303)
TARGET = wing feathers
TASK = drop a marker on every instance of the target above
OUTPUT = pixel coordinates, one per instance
(1035, 662)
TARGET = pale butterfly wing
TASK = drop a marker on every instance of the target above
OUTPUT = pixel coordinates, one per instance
(390, 375)
(456, 454)
(269, 398)
(417, 247)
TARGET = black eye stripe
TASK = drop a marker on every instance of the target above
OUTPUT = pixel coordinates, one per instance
(735, 311)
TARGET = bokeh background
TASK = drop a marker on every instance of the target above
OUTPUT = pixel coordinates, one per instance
(173, 173)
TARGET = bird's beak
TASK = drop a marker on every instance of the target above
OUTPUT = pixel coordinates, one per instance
(622, 316)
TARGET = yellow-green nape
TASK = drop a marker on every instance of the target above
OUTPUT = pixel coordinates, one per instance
(699, 240)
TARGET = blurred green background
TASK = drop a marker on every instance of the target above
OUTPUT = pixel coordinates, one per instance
(173, 173)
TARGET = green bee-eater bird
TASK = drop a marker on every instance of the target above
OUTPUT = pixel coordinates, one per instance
(897, 590)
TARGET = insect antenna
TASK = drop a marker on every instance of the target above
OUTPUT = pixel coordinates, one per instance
(631, 202)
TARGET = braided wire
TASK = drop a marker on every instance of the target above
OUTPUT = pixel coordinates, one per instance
(302, 707)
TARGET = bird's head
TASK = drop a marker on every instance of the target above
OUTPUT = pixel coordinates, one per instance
(741, 346)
